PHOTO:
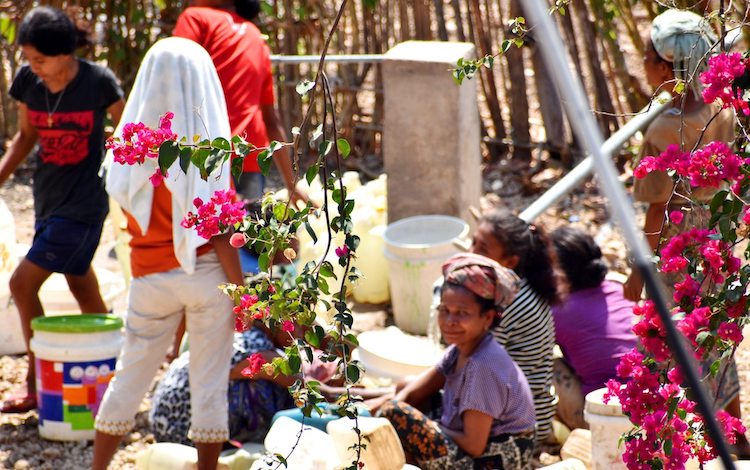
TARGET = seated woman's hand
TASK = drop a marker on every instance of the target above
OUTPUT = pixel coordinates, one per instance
(374, 404)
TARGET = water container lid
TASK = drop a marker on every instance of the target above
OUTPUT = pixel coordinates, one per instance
(424, 231)
(88, 323)
(595, 404)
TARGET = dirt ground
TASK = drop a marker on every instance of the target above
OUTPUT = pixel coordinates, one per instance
(20, 444)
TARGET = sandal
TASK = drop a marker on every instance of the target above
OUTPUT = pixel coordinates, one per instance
(19, 404)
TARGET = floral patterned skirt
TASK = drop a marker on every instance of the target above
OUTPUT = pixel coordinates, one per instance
(424, 441)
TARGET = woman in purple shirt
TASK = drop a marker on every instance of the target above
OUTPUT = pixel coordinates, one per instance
(593, 326)
(487, 418)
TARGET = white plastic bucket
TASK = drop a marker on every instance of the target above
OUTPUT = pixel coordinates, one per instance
(607, 425)
(416, 248)
(75, 360)
(390, 353)
(56, 300)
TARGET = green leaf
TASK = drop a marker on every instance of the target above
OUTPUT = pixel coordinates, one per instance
(458, 76)
(348, 206)
(672, 407)
(312, 338)
(279, 211)
(311, 232)
(505, 45)
(198, 158)
(221, 143)
(324, 147)
(715, 368)
(168, 153)
(185, 154)
(352, 373)
(352, 339)
(352, 241)
(702, 337)
(717, 200)
(323, 286)
(264, 262)
(326, 269)
(336, 195)
(304, 87)
(311, 173)
(274, 146)
(679, 87)
(264, 161)
(215, 159)
(344, 147)
(294, 363)
(238, 164)
(8, 28)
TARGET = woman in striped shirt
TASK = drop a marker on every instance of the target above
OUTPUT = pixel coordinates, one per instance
(526, 329)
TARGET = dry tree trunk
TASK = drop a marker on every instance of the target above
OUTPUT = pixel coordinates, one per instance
(602, 98)
(628, 20)
(619, 73)
(568, 31)
(519, 103)
(487, 79)
(549, 102)
(456, 4)
(422, 20)
(403, 15)
(440, 18)
(287, 101)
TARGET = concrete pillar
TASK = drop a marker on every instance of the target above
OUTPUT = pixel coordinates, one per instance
(431, 136)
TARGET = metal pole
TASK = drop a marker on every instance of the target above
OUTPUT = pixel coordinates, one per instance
(583, 169)
(576, 105)
(341, 59)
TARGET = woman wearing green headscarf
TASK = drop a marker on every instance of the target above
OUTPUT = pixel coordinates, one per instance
(677, 50)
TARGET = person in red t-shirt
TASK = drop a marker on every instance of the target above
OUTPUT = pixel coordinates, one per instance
(243, 63)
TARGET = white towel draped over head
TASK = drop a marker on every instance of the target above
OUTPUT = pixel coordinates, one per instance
(176, 75)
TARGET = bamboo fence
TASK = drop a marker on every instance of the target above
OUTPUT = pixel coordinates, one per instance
(520, 108)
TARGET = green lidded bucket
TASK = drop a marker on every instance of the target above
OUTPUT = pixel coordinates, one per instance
(75, 360)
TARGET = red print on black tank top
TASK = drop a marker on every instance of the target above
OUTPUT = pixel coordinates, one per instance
(66, 142)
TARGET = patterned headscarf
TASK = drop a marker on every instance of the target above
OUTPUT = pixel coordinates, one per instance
(684, 39)
(483, 277)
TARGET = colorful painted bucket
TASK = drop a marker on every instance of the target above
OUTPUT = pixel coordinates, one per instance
(75, 360)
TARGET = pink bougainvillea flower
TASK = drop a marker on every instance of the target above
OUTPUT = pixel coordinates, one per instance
(287, 326)
(240, 325)
(719, 79)
(342, 251)
(730, 332)
(215, 216)
(676, 217)
(708, 166)
(256, 361)
(237, 240)
(157, 178)
(139, 142)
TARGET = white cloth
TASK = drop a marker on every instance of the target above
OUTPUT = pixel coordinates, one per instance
(155, 307)
(176, 75)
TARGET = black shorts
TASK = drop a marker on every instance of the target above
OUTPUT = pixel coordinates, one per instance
(66, 246)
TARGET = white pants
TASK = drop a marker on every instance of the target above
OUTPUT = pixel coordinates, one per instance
(155, 307)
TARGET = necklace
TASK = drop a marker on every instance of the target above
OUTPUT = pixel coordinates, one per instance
(57, 104)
